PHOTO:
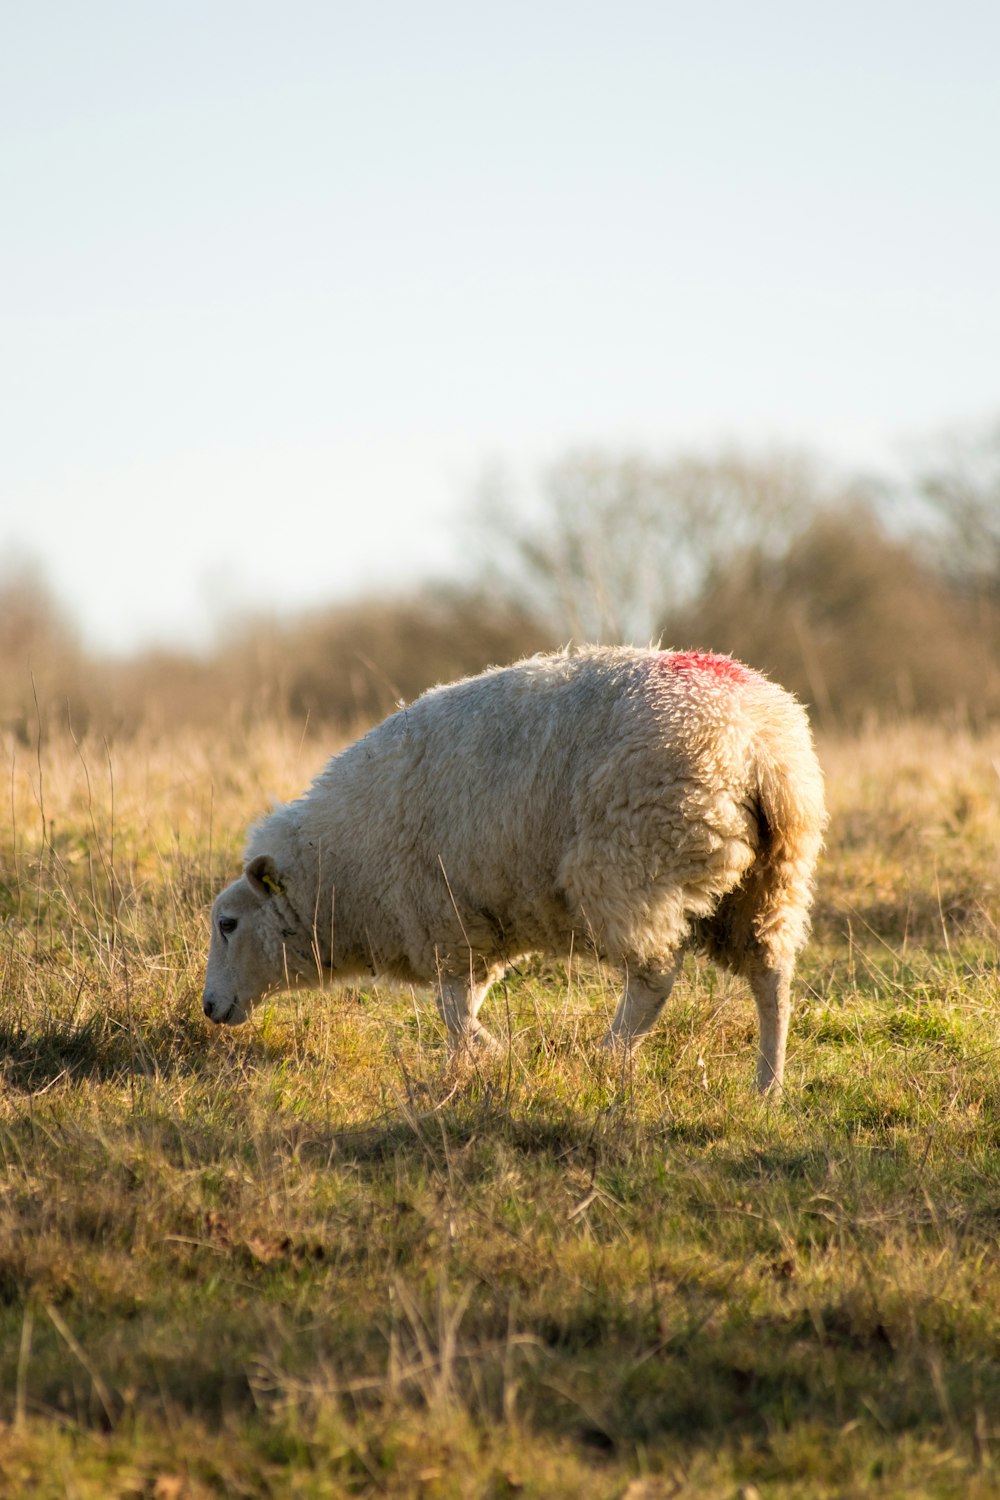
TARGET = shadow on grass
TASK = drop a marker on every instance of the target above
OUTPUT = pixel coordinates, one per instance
(605, 1375)
(371, 1147)
(689, 1360)
(109, 1048)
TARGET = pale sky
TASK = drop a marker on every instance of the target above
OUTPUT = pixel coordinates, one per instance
(277, 281)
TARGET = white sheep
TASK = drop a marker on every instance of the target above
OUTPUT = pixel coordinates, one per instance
(632, 802)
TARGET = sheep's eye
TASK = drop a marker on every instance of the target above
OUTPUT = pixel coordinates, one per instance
(227, 925)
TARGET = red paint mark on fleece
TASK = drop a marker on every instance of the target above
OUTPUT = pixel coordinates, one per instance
(722, 668)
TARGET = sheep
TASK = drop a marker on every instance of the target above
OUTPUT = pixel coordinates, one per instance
(633, 802)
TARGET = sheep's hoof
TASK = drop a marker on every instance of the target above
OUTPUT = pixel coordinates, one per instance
(617, 1045)
(474, 1043)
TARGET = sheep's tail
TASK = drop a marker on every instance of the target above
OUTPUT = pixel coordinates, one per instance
(791, 812)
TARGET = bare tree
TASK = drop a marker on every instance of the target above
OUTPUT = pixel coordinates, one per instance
(961, 484)
(616, 543)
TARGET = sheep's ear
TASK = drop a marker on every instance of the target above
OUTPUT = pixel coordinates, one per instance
(262, 875)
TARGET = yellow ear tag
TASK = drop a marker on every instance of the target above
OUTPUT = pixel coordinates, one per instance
(273, 886)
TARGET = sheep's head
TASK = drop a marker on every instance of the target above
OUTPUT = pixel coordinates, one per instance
(248, 957)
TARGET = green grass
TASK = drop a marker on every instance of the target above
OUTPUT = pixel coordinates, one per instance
(305, 1259)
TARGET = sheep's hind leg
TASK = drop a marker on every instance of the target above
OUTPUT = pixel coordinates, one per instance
(771, 986)
(458, 1002)
(646, 992)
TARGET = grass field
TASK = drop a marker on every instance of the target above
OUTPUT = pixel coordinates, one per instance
(302, 1259)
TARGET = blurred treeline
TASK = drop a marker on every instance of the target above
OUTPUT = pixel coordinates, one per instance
(870, 599)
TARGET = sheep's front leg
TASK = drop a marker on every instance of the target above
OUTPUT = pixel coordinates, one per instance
(772, 989)
(646, 992)
(458, 1001)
